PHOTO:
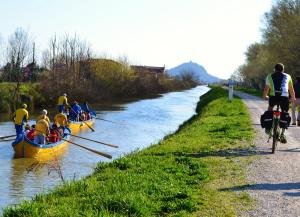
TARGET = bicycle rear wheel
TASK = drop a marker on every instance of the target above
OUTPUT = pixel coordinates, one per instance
(276, 132)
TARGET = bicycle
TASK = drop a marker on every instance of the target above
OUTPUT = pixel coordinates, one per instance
(276, 132)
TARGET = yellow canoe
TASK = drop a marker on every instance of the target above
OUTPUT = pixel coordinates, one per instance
(77, 126)
(26, 148)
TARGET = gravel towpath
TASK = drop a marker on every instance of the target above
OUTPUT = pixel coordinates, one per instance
(274, 178)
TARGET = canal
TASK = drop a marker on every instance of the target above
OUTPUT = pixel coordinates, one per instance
(137, 125)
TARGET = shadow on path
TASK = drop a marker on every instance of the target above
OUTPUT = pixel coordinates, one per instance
(290, 150)
(292, 194)
(269, 187)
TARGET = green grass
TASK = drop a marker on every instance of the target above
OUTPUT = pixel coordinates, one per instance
(252, 91)
(183, 175)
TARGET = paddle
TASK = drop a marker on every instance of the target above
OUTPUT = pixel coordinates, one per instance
(89, 149)
(7, 140)
(108, 121)
(115, 146)
(83, 120)
(4, 137)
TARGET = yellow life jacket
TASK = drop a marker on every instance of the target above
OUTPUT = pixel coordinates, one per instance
(61, 119)
(42, 128)
(21, 115)
(62, 100)
(40, 117)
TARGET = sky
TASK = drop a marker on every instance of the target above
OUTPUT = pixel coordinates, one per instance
(212, 33)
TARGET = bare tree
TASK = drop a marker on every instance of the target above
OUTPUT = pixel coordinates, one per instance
(18, 49)
(45, 60)
(1, 51)
(17, 56)
(68, 58)
(52, 54)
(237, 76)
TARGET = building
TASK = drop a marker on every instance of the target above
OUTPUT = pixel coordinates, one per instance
(148, 70)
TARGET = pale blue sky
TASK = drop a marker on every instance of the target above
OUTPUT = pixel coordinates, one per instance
(213, 33)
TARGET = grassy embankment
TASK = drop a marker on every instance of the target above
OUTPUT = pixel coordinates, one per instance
(183, 175)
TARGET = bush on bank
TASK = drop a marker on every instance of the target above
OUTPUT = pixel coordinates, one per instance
(29, 93)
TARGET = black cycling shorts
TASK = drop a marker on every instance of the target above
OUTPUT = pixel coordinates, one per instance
(281, 100)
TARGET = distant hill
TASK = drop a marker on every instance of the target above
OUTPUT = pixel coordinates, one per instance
(196, 70)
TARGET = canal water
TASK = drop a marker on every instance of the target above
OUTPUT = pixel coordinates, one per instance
(137, 125)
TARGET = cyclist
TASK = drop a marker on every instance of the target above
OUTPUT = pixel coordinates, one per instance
(278, 88)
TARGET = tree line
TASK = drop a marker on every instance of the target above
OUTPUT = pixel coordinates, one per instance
(69, 65)
(280, 43)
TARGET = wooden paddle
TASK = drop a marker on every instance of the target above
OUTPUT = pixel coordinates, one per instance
(83, 120)
(89, 149)
(4, 137)
(115, 146)
(108, 121)
(7, 140)
(87, 125)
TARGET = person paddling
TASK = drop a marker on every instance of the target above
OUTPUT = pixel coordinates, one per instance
(61, 119)
(30, 134)
(86, 110)
(20, 117)
(41, 131)
(62, 103)
(54, 137)
(43, 116)
(75, 112)
(85, 107)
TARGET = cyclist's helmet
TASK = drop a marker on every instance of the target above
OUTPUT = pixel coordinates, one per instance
(279, 67)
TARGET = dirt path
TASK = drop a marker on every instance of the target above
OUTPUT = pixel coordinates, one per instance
(275, 177)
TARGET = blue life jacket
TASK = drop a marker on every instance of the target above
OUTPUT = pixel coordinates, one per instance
(75, 111)
(85, 108)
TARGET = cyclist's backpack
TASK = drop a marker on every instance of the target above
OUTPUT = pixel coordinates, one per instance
(266, 119)
(285, 120)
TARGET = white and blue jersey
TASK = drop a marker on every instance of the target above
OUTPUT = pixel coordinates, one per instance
(279, 84)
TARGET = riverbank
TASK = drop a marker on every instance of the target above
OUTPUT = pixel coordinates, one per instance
(182, 175)
(29, 93)
(38, 96)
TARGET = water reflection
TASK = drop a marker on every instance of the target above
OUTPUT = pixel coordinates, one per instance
(142, 123)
